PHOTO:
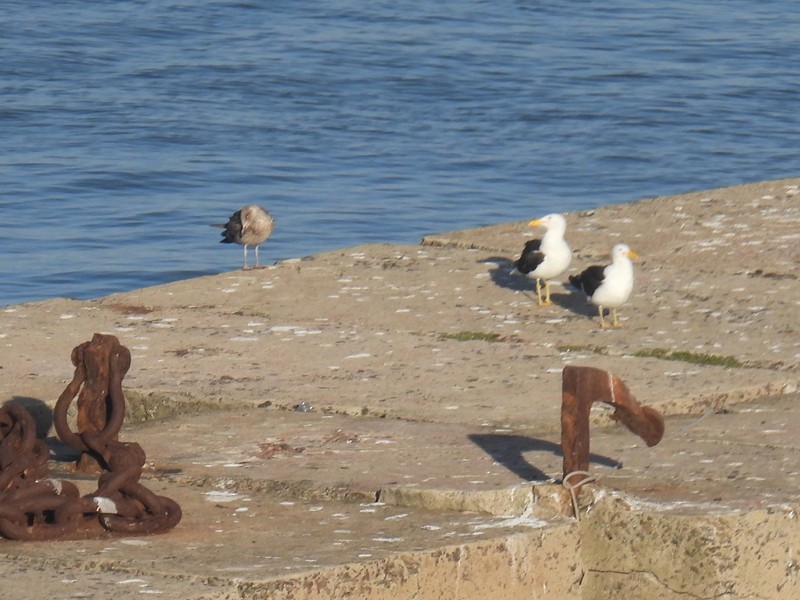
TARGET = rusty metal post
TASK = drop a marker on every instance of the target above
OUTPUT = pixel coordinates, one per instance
(580, 388)
(100, 366)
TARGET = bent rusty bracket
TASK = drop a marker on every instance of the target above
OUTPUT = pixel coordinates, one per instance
(580, 388)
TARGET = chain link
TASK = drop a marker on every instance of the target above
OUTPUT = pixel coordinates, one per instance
(34, 507)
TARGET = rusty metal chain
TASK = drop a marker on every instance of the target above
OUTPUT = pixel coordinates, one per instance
(33, 507)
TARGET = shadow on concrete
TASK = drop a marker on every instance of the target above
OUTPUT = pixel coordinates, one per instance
(574, 301)
(38, 409)
(502, 277)
(508, 450)
(61, 452)
(43, 418)
(569, 298)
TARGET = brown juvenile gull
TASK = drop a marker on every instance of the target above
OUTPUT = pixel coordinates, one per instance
(546, 258)
(250, 226)
(608, 286)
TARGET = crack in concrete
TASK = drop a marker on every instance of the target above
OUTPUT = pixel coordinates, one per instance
(661, 583)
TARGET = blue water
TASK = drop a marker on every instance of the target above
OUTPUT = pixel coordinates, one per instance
(129, 126)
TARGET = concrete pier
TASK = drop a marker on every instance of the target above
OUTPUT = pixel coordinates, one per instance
(382, 421)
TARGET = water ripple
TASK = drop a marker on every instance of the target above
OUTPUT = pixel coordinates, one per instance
(130, 127)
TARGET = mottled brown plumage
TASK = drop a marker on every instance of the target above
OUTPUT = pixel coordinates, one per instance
(250, 226)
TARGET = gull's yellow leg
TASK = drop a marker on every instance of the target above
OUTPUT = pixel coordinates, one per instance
(547, 293)
(539, 299)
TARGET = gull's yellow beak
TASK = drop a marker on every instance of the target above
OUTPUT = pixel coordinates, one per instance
(632, 254)
(535, 223)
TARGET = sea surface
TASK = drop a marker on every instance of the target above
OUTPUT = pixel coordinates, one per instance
(128, 127)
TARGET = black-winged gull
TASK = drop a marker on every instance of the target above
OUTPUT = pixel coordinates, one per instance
(546, 258)
(608, 286)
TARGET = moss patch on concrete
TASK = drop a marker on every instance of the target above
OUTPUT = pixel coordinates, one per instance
(583, 348)
(471, 336)
(154, 406)
(730, 362)
(698, 358)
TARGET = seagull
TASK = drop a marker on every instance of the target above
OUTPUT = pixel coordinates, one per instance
(250, 226)
(547, 258)
(608, 286)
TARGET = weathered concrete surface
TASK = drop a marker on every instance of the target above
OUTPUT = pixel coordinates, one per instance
(250, 545)
(661, 555)
(360, 330)
(450, 435)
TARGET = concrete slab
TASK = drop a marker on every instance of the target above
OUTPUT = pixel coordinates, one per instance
(278, 405)
(250, 545)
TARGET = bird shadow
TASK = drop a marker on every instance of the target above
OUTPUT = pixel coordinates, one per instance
(570, 299)
(502, 277)
(42, 416)
(574, 301)
(509, 449)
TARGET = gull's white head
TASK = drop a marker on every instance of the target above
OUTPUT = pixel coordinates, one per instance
(622, 251)
(551, 221)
